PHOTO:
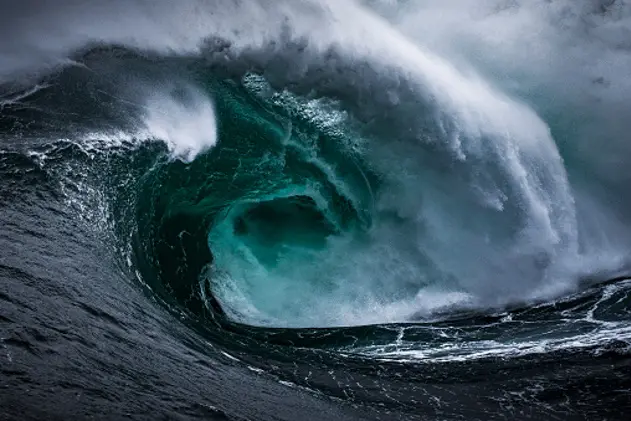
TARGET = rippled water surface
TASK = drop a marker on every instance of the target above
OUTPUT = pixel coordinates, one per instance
(259, 210)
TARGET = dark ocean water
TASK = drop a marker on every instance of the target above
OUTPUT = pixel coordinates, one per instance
(307, 225)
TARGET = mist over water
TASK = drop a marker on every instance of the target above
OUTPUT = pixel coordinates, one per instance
(335, 184)
(478, 174)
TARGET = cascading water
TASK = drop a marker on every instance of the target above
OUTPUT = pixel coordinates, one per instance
(338, 209)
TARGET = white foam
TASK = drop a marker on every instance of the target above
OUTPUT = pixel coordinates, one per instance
(478, 122)
(187, 125)
(474, 350)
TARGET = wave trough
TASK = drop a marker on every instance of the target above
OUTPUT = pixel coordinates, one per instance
(354, 201)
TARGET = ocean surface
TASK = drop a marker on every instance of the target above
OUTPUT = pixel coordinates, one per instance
(315, 209)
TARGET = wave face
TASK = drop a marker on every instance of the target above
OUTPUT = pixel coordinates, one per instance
(358, 210)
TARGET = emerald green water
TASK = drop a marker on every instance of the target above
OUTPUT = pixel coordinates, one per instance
(304, 216)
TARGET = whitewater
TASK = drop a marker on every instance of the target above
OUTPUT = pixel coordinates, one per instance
(371, 208)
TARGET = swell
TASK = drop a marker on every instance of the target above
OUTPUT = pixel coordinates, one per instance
(339, 129)
(160, 209)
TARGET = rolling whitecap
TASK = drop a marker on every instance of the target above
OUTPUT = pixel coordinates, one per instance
(322, 200)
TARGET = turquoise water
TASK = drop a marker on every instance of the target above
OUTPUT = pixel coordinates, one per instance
(337, 215)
